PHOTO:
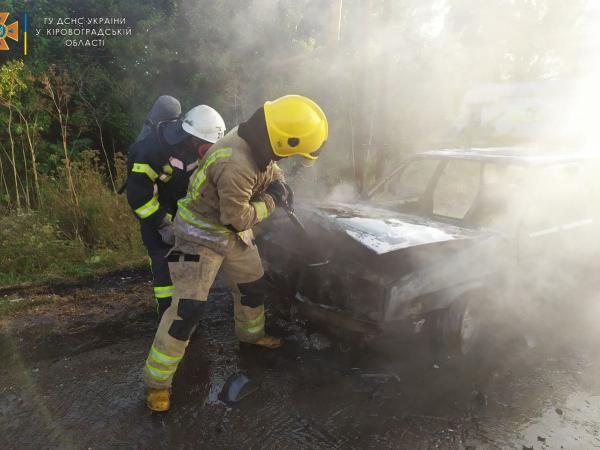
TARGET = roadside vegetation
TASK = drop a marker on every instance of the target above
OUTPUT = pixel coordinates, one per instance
(68, 237)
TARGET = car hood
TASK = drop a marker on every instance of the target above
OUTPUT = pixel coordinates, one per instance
(384, 231)
(421, 256)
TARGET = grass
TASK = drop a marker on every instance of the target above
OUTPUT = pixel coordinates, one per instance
(70, 238)
(14, 303)
(36, 251)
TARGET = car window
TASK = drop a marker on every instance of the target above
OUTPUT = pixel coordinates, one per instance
(457, 188)
(410, 184)
(561, 198)
(500, 202)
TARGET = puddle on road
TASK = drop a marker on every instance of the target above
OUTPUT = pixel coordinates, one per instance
(574, 425)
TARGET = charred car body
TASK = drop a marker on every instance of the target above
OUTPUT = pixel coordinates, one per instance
(447, 234)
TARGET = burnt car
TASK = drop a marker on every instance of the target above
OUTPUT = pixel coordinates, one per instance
(447, 234)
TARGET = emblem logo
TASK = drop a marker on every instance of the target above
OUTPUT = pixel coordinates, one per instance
(7, 31)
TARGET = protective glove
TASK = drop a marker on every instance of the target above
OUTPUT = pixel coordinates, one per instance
(290, 197)
(282, 194)
(166, 231)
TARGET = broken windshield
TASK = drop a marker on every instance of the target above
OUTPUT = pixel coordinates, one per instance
(476, 193)
(408, 185)
(457, 188)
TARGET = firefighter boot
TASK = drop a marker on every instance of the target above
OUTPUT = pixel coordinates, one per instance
(268, 342)
(158, 399)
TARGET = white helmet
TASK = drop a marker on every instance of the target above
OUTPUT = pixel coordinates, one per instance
(205, 123)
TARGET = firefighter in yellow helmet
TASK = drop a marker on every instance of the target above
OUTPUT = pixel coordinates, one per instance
(237, 184)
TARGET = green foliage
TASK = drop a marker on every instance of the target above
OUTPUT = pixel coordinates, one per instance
(11, 81)
(31, 247)
(101, 218)
(64, 240)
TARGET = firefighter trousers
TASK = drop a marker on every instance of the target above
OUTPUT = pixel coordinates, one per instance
(192, 276)
(161, 278)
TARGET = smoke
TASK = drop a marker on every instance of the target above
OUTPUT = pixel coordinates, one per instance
(399, 77)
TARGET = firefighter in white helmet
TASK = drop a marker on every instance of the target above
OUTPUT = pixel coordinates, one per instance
(236, 185)
(159, 167)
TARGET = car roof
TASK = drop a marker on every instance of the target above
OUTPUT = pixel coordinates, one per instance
(513, 155)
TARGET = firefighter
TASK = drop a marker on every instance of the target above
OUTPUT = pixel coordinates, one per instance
(159, 166)
(236, 185)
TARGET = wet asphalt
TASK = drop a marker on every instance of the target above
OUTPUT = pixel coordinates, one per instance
(79, 386)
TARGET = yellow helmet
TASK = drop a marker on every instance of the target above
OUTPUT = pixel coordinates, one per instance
(296, 126)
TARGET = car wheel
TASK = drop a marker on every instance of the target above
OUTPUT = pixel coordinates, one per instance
(461, 325)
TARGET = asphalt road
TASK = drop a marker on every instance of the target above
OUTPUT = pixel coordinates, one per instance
(71, 378)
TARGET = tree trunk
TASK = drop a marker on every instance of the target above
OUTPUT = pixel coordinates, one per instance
(13, 157)
(363, 110)
(3, 181)
(108, 162)
(336, 22)
(64, 135)
(31, 139)
(383, 131)
(26, 190)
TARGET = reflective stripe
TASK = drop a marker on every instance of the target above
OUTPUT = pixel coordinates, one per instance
(254, 330)
(251, 322)
(194, 220)
(163, 291)
(167, 173)
(196, 183)
(145, 168)
(156, 359)
(200, 175)
(261, 210)
(252, 326)
(162, 358)
(158, 374)
(177, 163)
(149, 208)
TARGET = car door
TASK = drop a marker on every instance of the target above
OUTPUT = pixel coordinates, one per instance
(558, 236)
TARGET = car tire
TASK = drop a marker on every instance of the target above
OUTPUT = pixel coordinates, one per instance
(460, 328)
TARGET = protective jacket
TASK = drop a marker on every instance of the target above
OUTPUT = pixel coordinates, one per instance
(158, 176)
(226, 195)
(159, 166)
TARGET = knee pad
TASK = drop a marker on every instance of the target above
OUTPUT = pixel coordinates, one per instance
(191, 312)
(255, 292)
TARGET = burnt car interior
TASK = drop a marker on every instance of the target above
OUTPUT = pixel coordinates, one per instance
(484, 193)
(428, 187)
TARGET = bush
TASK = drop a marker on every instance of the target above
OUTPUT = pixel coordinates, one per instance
(32, 248)
(96, 215)
(71, 235)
